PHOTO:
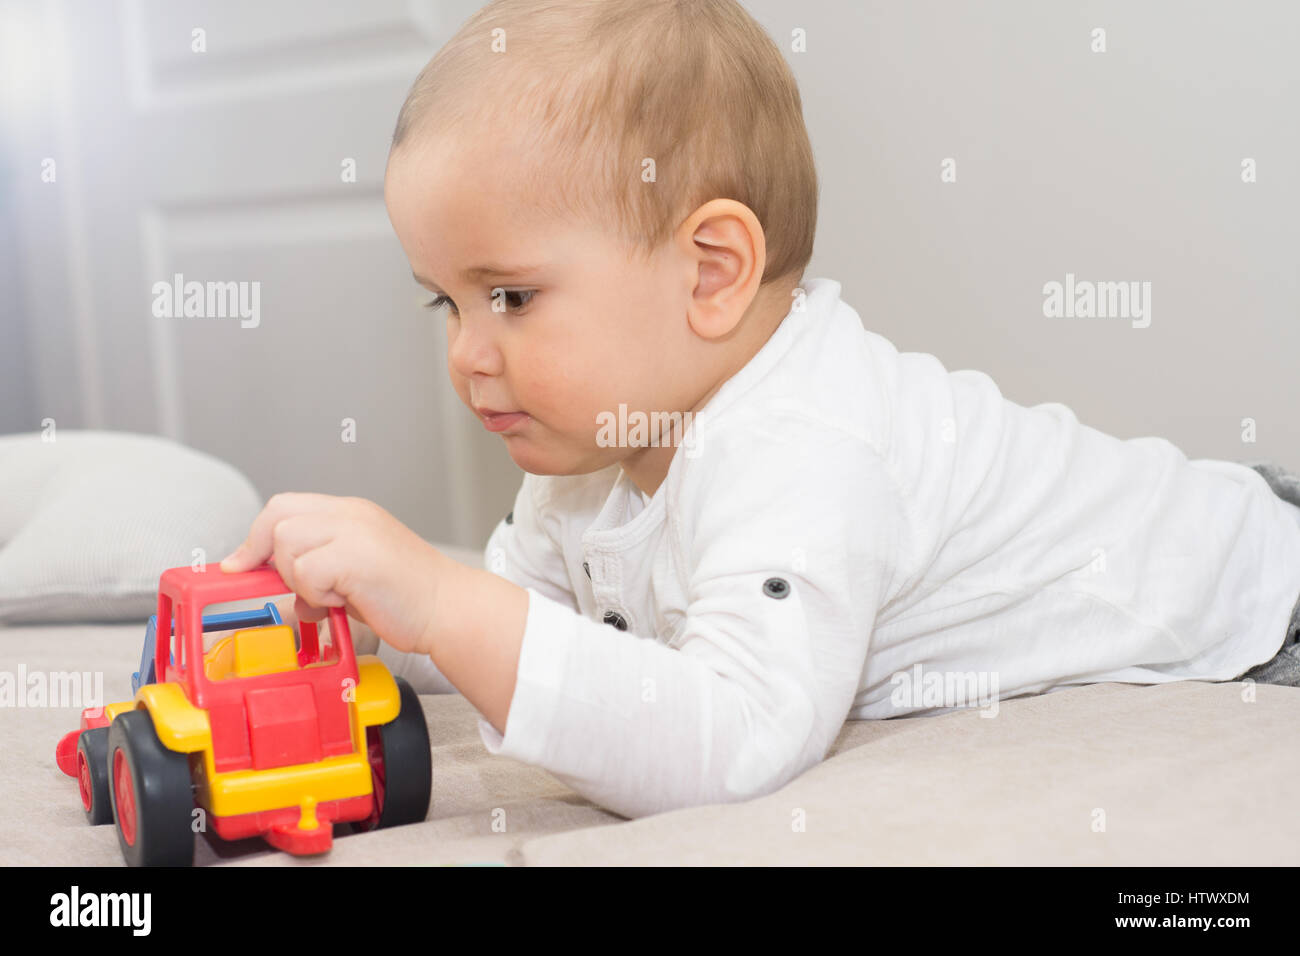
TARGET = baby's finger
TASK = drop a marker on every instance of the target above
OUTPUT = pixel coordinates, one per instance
(315, 575)
(295, 536)
(306, 612)
(288, 610)
(260, 544)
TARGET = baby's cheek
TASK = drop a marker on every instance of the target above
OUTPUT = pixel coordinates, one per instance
(459, 383)
(549, 388)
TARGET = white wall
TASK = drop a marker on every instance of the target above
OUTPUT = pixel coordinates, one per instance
(1123, 165)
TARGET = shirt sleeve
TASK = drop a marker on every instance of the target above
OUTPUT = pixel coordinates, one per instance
(521, 549)
(788, 532)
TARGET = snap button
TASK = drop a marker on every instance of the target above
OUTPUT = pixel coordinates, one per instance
(510, 518)
(776, 588)
(613, 617)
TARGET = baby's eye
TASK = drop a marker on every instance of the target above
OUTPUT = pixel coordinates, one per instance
(439, 301)
(518, 293)
(521, 299)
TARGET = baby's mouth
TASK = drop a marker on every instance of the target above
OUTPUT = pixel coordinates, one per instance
(498, 421)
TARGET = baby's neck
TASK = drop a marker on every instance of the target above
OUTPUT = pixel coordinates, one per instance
(648, 467)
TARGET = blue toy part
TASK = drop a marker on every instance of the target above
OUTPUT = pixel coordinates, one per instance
(232, 620)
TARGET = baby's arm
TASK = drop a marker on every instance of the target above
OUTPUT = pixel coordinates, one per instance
(519, 550)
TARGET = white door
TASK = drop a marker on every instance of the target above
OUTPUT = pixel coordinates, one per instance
(240, 145)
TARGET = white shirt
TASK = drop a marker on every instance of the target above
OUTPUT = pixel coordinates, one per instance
(924, 527)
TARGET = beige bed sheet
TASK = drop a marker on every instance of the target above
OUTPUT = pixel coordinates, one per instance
(1175, 774)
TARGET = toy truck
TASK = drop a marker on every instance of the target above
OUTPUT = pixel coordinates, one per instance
(263, 733)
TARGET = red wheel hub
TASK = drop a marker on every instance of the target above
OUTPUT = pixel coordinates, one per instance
(83, 780)
(375, 753)
(124, 791)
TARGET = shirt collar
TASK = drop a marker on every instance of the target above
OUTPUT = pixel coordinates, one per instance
(611, 529)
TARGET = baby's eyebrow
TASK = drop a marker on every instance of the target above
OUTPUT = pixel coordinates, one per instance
(484, 272)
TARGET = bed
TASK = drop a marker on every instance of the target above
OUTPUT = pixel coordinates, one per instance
(1175, 774)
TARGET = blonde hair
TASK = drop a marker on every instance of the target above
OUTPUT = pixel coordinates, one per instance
(697, 86)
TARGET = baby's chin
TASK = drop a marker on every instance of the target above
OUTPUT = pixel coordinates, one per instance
(548, 458)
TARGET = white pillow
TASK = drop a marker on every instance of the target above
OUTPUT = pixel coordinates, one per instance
(90, 520)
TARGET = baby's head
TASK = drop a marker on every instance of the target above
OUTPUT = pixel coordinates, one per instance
(613, 199)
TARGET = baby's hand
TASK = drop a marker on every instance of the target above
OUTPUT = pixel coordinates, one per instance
(348, 553)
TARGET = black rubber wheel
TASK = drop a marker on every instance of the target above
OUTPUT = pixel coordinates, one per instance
(401, 765)
(92, 775)
(152, 798)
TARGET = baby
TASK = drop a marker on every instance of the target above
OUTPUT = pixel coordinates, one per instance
(744, 518)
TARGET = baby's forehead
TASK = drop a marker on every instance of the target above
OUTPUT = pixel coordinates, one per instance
(480, 155)
(508, 182)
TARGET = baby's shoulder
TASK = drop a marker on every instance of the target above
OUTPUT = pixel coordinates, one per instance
(776, 426)
(776, 452)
